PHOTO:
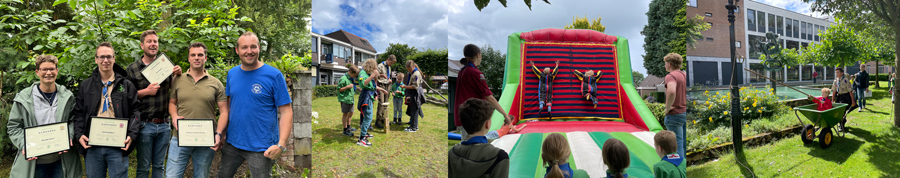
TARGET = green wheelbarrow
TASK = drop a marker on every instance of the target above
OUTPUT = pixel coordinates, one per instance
(826, 121)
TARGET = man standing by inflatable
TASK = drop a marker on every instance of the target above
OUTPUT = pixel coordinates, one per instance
(676, 105)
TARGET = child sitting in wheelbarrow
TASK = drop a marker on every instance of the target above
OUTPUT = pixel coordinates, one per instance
(823, 103)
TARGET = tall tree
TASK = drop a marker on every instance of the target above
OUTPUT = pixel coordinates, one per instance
(401, 51)
(585, 23)
(282, 27)
(480, 4)
(493, 63)
(688, 31)
(431, 61)
(637, 78)
(885, 12)
(659, 33)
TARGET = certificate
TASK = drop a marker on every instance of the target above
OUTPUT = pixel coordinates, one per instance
(110, 132)
(196, 133)
(46, 139)
(159, 69)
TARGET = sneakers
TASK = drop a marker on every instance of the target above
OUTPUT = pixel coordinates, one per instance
(411, 129)
(348, 133)
(363, 141)
(368, 135)
(352, 129)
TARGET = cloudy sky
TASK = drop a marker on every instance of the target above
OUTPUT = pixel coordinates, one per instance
(419, 23)
(494, 23)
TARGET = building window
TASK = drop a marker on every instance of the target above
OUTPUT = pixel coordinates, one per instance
(710, 24)
(709, 14)
(692, 3)
(737, 44)
(758, 68)
(789, 27)
(793, 45)
(816, 33)
(780, 25)
(337, 78)
(796, 28)
(772, 23)
(751, 19)
(761, 26)
(806, 72)
(709, 39)
(809, 31)
(755, 45)
(314, 45)
(803, 30)
(793, 73)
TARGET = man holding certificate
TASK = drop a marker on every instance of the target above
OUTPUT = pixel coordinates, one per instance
(106, 117)
(258, 129)
(44, 108)
(195, 98)
(152, 74)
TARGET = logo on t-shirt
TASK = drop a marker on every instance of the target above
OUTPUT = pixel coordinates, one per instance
(481, 76)
(257, 89)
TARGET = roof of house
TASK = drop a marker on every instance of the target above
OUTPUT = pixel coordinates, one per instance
(453, 67)
(352, 39)
(651, 81)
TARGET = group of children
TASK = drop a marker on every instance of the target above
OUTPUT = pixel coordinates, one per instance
(403, 91)
(475, 157)
(545, 85)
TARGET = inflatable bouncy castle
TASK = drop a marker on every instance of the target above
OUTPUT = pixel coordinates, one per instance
(619, 111)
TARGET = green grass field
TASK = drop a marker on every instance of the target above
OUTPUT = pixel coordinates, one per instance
(399, 154)
(870, 149)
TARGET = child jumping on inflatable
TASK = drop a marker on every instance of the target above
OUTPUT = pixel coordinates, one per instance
(589, 84)
(545, 85)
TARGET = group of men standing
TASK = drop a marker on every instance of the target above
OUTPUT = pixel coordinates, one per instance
(257, 131)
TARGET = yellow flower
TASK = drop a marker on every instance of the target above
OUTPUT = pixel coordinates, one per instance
(748, 125)
(746, 108)
(707, 102)
(760, 111)
(695, 102)
(695, 121)
(710, 119)
(726, 112)
(754, 104)
(717, 93)
(706, 92)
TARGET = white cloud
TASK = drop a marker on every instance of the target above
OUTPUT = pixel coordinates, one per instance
(794, 5)
(419, 23)
(495, 23)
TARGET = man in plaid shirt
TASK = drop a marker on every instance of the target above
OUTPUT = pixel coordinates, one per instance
(153, 138)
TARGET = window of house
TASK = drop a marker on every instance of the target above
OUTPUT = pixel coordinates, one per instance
(692, 3)
(796, 28)
(761, 16)
(709, 39)
(789, 27)
(314, 45)
(803, 30)
(772, 23)
(751, 19)
(709, 14)
(779, 25)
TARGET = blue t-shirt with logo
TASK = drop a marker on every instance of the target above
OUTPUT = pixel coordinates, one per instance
(255, 97)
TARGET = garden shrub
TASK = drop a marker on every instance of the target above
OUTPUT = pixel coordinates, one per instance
(715, 110)
(325, 90)
(657, 110)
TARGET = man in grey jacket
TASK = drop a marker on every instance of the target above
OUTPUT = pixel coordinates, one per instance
(862, 84)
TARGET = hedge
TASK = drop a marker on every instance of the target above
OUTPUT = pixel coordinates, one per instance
(325, 90)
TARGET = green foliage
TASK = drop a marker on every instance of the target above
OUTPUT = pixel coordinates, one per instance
(402, 52)
(657, 110)
(584, 23)
(662, 34)
(688, 31)
(431, 61)
(326, 90)
(774, 56)
(637, 78)
(280, 26)
(714, 110)
(290, 64)
(493, 64)
(480, 4)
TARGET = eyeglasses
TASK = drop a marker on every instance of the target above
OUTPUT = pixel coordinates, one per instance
(47, 69)
(105, 57)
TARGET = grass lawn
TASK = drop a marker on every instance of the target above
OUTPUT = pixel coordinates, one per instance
(400, 154)
(870, 149)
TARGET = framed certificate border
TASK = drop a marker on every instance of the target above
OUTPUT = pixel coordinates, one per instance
(161, 57)
(181, 131)
(63, 125)
(91, 136)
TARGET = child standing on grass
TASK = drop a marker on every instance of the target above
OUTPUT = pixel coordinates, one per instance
(366, 100)
(345, 97)
(476, 157)
(416, 93)
(555, 153)
(616, 158)
(398, 100)
(667, 149)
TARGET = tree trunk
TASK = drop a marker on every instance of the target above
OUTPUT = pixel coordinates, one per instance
(896, 61)
(876, 75)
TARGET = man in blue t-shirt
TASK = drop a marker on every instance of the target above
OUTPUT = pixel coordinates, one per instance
(257, 93)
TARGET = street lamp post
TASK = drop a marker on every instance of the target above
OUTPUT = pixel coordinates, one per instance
(735, 92)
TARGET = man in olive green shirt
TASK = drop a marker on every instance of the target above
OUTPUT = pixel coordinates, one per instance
(195, 95)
